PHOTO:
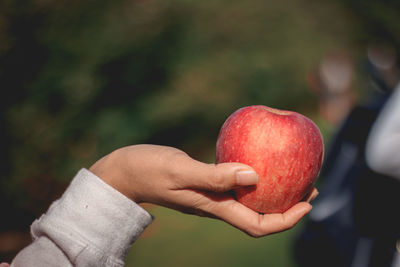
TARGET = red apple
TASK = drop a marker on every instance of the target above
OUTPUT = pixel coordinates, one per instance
(285, 148)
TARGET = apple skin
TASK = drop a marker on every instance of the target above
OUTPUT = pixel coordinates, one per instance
(285, 148)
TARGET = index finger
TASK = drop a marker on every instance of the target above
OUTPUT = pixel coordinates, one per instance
(256, 224)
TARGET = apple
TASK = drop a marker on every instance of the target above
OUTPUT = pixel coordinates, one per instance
(285, 148)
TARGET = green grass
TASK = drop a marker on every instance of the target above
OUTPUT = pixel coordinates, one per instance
(176, 239)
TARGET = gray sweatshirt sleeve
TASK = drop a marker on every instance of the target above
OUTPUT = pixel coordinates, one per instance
(383, 146)
(92, 224)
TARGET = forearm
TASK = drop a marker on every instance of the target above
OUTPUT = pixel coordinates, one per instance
(91, 224)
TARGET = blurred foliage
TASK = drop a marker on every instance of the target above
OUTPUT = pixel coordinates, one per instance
(375, 20)
(81, 78)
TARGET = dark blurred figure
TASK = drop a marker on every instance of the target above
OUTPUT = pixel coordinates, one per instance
(355, 221)
(332, 82)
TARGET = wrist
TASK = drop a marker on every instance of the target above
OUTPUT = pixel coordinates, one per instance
(112, 170)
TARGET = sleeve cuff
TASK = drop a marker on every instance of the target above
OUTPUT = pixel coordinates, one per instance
(92, 214)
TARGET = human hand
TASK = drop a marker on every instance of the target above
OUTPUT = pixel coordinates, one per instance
(3, 264)
(168, 177)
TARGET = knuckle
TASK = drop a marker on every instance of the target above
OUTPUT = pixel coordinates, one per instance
(218, 180)
(287, 224)
(201, 210)
(290, 225)
(256, 230)
(199, 205)
(255, 233)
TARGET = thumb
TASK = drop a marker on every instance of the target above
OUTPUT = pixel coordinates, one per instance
(217, 177)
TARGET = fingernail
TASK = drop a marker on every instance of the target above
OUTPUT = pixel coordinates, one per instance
(315, 196)
(312, 196)
(246, 178)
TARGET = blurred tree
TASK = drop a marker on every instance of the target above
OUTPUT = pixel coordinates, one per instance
(375, 20)
(79, 79)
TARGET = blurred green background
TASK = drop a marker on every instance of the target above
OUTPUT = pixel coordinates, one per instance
(79, 79)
